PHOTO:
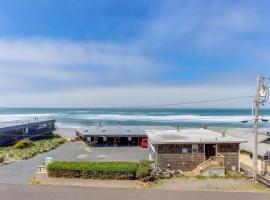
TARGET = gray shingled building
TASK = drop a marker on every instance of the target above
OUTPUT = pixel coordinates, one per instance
(193, 149)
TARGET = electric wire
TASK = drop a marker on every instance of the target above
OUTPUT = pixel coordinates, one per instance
(191, 102)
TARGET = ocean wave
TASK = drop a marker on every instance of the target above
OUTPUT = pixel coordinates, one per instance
(11, 117)
(80, 118)
(166, 118)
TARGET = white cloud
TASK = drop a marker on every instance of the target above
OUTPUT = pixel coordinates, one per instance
(215, 27)
(43, 51)
(126, 96)
(40, 72)
(33, 61)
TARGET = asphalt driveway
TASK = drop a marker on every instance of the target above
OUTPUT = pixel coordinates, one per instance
(20, 172)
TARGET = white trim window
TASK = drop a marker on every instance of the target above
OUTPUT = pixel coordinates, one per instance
(195, 148)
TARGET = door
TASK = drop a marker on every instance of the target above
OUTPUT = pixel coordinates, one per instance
(210, 150)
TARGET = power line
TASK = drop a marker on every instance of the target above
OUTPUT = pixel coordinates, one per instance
(184, 120)
(191, 102)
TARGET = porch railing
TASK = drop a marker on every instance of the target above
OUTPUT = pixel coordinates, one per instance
(213, 161)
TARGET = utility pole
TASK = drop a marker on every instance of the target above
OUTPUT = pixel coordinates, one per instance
(256, 126)
(262, 94)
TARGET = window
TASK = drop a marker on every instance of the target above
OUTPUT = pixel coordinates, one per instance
(184, 150)
(266, 157)
(195, 148)
(251, 156)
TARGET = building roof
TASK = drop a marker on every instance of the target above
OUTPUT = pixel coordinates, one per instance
(10, 125)
(263, 147)
(119, 130)
(190, 136)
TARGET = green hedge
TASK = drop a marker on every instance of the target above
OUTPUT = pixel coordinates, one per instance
(93, 170)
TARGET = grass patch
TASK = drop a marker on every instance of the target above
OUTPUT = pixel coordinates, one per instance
(200, 177)
(232, 175)
(228, 175)
(93, 170)
(260, 188)
(255, 187)
(24, 150)
(181, 176)
(34, 181)
(156, 183)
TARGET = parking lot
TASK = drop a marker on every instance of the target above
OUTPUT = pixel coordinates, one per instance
(21, 171)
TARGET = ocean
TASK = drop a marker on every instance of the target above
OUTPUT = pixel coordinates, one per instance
(75, 118)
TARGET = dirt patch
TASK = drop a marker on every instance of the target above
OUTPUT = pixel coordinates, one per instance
(43, 179)
(210, 184)
(182, 184)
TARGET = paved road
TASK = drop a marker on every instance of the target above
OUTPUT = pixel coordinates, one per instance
(27, 192)
(20, 172)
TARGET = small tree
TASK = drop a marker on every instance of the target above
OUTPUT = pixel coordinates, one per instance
(144, 169)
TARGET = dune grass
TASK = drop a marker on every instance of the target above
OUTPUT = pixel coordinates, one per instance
(12, 153)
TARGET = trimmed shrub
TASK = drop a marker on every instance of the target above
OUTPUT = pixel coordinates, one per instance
(93, 170)
(144, 169)
(22, 144)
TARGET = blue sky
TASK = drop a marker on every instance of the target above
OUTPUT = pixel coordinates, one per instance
(70, 53)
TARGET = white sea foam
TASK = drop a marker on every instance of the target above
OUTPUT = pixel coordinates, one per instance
(167, 118)
(127, 117)
(11, 117)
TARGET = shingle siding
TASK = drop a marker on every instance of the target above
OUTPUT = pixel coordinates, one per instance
(184, 162)
(172, 154)
(231, 155)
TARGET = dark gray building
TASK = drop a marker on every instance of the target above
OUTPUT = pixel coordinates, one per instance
(12, 131)
(116, 135)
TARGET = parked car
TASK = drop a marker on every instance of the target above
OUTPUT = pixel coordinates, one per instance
(144, 143)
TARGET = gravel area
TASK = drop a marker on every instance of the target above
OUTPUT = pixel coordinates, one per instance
(211, 184)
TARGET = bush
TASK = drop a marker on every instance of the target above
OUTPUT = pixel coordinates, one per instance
(93, 170)
(144, 169)
(2, 158)
(22, 144)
